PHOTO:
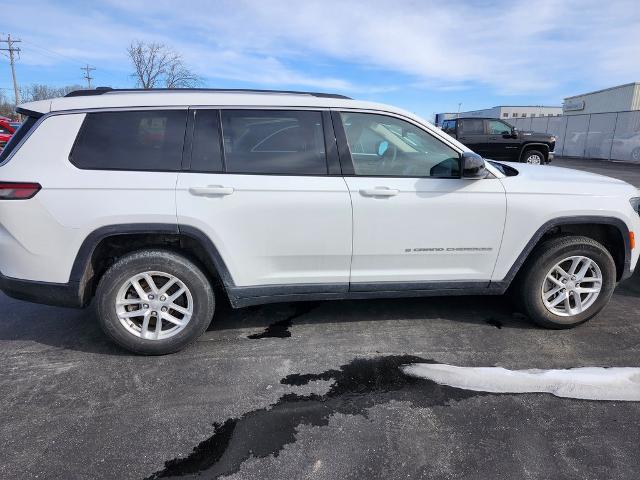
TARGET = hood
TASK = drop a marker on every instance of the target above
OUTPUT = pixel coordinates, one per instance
(564, 181)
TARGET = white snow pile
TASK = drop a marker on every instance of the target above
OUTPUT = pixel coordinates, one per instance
(589, 383)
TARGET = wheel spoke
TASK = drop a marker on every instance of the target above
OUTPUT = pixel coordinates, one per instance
(167, 286)
(553, 291)
(555, 281)
(170, 318)
(561, 271)
(144, 329)
(591, 280)
(131, 314)
(179, 309)
(574, 265)
(578, 301)
(176, 295)
(129, 301)
(139, 290)
(151, 283)
(560, 298)
(584, 269)
(158, 326)
(587, 290)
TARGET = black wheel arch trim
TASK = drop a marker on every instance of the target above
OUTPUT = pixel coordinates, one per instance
(572, 220)
(529, 144)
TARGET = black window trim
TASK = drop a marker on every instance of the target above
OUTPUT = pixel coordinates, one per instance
(346, 161)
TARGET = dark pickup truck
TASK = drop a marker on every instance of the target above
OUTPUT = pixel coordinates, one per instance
(496, 139)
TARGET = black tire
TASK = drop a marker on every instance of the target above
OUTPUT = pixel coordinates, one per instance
(531, 153)
(543, 259)
(160, 261)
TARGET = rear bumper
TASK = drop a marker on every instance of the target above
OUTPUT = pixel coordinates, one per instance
(58, 294)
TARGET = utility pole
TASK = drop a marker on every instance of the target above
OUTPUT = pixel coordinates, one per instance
(11, 49)
(87, 74)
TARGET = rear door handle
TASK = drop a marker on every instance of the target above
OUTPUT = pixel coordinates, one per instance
(379, 192)
(211, 191)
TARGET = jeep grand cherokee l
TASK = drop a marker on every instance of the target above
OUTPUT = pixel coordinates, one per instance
(156, 203)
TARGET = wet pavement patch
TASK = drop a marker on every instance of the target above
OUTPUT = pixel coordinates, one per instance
(357, 386)
(280, 329)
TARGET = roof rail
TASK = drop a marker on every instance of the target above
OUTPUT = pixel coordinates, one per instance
(103, 90)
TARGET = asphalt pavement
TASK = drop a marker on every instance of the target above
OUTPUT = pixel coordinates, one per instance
(314, 391)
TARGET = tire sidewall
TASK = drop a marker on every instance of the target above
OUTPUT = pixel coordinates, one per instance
(530, 153)
(168, 262)
(533, 284)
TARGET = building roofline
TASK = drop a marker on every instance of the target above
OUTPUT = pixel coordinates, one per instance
(603, 90)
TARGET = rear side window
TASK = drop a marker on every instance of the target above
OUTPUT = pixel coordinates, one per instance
(471, 127)
(274, 142)
(15, 139)
(132, 140)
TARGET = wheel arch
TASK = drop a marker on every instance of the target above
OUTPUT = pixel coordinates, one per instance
(611, 232)
(103, 245)
(532, 146)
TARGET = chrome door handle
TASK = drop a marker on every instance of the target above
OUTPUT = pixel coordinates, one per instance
(210, 191)
(379, 192)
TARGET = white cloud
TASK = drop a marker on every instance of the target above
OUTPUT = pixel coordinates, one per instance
(512, 46)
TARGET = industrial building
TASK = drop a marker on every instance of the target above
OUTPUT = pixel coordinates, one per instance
(622, 98)
(504, 112)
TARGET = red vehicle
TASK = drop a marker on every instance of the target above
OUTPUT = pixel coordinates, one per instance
(6, 130)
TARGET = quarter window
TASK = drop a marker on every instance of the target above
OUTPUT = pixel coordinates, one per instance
(387, 146)
(132, 140)
(274, 142)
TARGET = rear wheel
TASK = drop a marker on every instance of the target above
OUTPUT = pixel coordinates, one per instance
(154, 302)
(567, 281)
(534, 157)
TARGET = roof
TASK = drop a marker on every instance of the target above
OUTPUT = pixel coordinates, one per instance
(112, 98)
(604, 90)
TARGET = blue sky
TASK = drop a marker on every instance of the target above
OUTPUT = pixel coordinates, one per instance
(426, 56)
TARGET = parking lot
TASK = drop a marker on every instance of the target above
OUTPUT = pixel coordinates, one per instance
(314, 390)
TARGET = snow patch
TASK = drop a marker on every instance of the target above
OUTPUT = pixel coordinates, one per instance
(589, 383)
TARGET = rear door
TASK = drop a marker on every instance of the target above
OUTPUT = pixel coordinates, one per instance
(471, 133)
(265, 187)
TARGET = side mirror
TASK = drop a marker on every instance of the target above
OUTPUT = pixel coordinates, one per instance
(514, 132)
(473, 166)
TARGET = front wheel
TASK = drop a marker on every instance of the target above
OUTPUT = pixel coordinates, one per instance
(567, 281)
(154, 302)
(534, 157)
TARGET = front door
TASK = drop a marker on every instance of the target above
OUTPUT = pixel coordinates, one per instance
(502, 144)
(266, 199)
(415, 221)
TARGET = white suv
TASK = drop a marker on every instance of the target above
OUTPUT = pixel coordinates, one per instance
(150, 200)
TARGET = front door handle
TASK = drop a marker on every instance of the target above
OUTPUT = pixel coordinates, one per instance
(493, 138)
(210, 191)
(379, 192)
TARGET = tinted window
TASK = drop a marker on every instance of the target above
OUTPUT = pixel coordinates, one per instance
(206, 154)
(134, 140)
(449, 126)
(15, 139)
(388, 146)
(273, 141)
(471, 127)
(496, 127)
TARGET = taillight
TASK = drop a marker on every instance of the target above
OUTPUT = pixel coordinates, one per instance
(18, 190)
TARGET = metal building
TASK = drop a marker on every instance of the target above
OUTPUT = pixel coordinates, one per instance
(621, 98)
(504, 112)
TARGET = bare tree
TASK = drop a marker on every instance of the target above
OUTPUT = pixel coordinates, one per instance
(156, 65)
(39, 91)
(7, 107)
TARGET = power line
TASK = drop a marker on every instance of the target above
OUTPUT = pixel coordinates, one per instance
(87, 74)
(11, 49)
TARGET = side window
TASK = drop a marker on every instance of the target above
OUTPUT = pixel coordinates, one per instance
(449, 127)
(472, 126)
(274, 142)
(133, 140)
(496, 127)
(387, 146)
(206, 155)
